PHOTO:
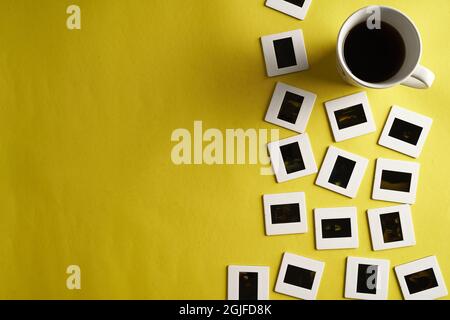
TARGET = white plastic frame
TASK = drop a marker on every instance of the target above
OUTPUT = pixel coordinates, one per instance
(327, 168)
(285, 228)
(289, 8)
(416, 266)
(305, 263)
(401, 146)
(376, 231)
(233, 281)
(270, 56)
(278, 163)
(336, 213)
(346, 102)
(351, 278)
(276, 103)
(393, 195)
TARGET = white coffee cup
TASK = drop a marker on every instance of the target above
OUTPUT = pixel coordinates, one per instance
(411, 74)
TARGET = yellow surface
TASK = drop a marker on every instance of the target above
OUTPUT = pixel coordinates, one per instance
(85, 123)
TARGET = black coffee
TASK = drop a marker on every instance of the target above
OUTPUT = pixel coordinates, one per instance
(374, 55)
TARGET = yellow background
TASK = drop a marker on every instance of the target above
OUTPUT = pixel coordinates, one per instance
(85, 124)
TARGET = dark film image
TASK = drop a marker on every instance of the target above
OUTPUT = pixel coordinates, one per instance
(342, 172)
(284, 52)
(391, 227)
(336, 228)
(290, 108)
(292, 158)
(421, 281)
(248, 286)
(350, 116)
(367, 279)
(299, 277)
(298, 3)
(285, 213)
(396, 181)
(405, 131)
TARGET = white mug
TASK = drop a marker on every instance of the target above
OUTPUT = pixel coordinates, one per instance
(411, 74)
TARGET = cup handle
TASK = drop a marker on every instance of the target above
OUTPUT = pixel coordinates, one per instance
(422, 78)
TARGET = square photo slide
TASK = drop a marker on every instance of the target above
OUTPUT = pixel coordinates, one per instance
(367, 279)
(421, 279)
(284, 53)
(285, 213)
(299, 277)
(294, 8)
(248, 283)
(336, 228)
(292, 158)
(405, 131)
(396, 181)
(290, 107)
(342, 172)
(391, 227)
(350, 116)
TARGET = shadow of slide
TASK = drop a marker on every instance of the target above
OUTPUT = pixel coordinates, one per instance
(324, 71)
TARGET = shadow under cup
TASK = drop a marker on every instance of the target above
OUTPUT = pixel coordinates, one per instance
(403, 25)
